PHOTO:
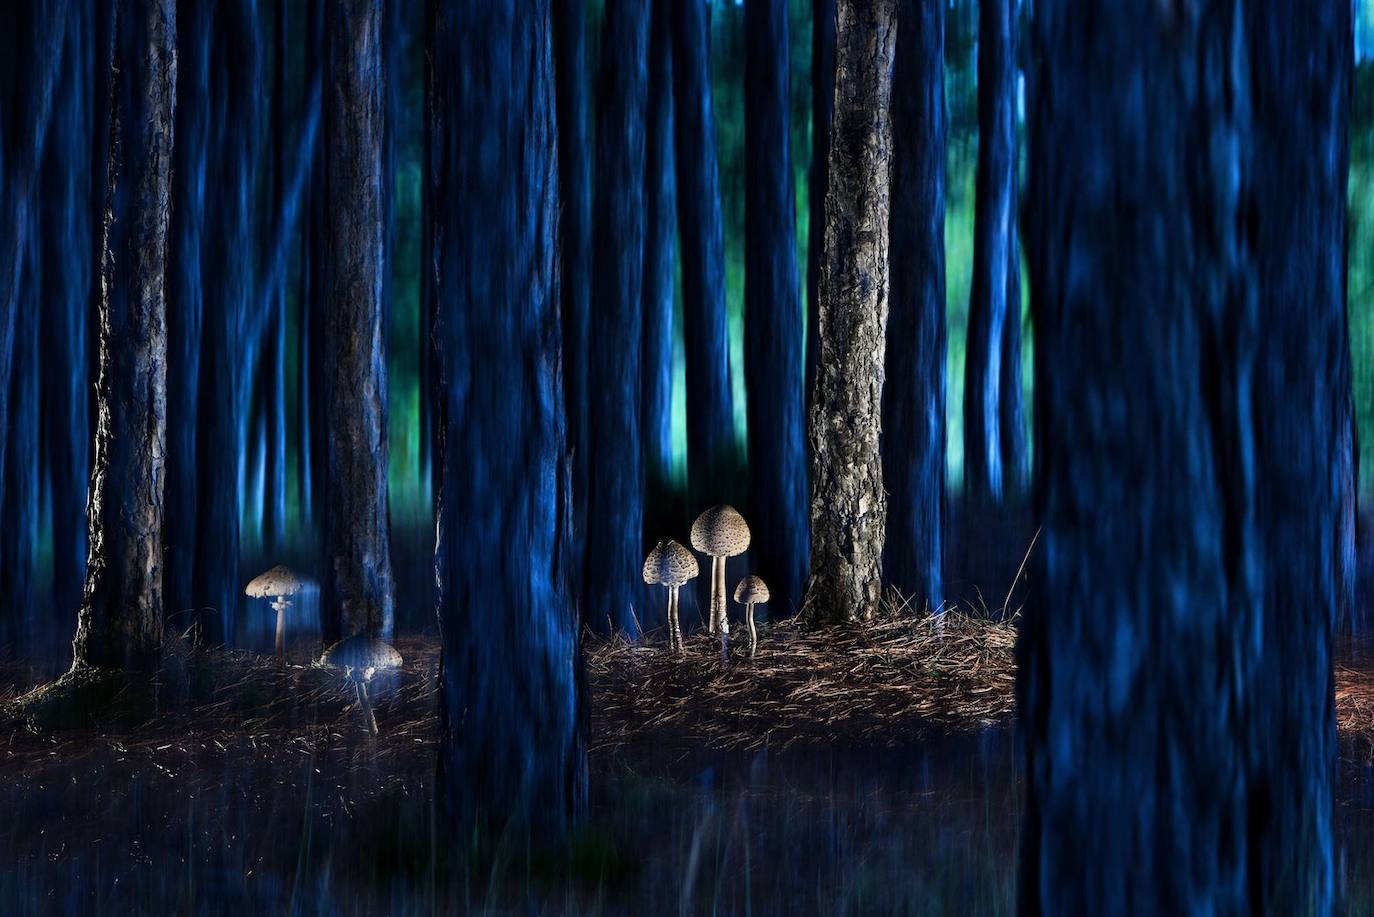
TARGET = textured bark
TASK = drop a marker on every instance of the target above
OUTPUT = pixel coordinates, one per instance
(1186, 203)
(615, 505)
(994, 240)
(512, 751)
(710, 414)
(120, 620)
(575, 251)
(774, 336)
(357, 576)
(660, 243)
(848, 506)
(822, 103)
(913, 442)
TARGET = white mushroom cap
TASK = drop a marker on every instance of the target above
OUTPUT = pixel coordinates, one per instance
(751, 589)
(280, 580)
(669, 564)
(361, 653)
(720, 532)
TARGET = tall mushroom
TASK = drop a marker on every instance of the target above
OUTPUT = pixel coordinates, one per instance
(277, 584)
(670, 564)
(719, 532)
(751, 591)
(361, 657)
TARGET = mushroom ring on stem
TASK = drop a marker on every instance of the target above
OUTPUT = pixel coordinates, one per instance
(361, 657)
(751, 591)
(720, 532)
(277, 584)
(670, 564)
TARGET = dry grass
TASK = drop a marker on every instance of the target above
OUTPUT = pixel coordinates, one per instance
(877, 684)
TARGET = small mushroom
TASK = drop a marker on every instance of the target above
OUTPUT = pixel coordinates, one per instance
(277, 584)
(720, 532)
(670, 564)
(751, 591)
(361, 657)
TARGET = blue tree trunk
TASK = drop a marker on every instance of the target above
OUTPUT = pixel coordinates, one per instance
(615, 498)
(913, 443)
(774, 336)
(711, 459)
(822, 103)
(512, 751)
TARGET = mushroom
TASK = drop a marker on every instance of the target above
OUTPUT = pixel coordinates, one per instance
(361, 657)
(670, 564)
(277, 584)
(751, 591)
(720, 532)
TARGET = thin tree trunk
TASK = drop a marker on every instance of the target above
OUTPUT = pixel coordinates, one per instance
(822, 103)
(660, 243)
(848, 505)
(994, 219)
(615, 497)
(272, 380)
(120, 620)
(774, 336)
(358, 551)
(913, 442)
(1187, 275)
(512, 750)
(710, 414)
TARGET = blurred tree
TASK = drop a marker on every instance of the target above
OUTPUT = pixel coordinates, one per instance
(913, 440)
(711, 457)
(848, 505)
(120, 620)
(774, 356)
(512, 749)
(615, 499)
(357, 578)
(994, 297)
(822, 101)
(1186, 201)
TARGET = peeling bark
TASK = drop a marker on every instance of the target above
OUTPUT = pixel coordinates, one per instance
(120, 620)
(848, 505)
(822, 103)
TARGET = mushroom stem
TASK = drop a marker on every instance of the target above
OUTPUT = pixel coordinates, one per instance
(753, 634)
(674, 632)
(281, 605)
(715, 592)
(718, 595)
(365, 699)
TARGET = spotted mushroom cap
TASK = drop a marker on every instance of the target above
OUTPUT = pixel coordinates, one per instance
(361, 653)
(751, 589)
(669, 564)
(280, 580)
(720, 532)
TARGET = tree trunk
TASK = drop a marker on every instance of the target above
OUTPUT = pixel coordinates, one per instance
(660, 242)
(822, 103)
(774, 336)
(848, 506)
(993, 249)
(1187, 271)
(1011, 407)
(575, 253)
(272, 379)
(512, 751)
(615, 504)
(913, 442)
(358, 547)
(120, 620)
(710, 415)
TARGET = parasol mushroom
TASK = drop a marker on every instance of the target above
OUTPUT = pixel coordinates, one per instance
(277, 584)
(361, 657)
(670, 564)
(720, 532)
(751, 591)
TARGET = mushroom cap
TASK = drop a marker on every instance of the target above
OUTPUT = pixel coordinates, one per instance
(669, 564)
(751, 589)
(720, 532)
(360, 653)
(280, 580)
